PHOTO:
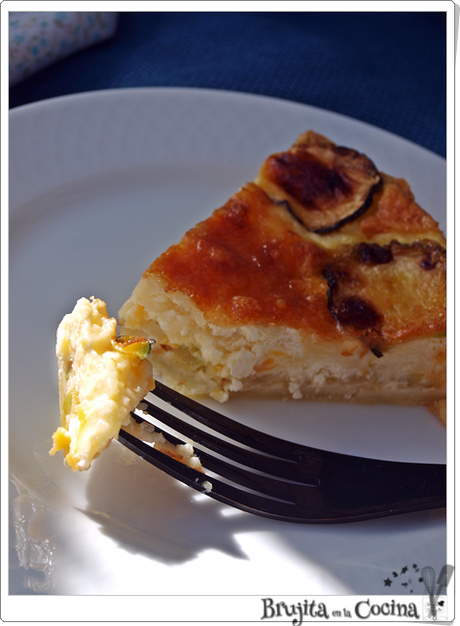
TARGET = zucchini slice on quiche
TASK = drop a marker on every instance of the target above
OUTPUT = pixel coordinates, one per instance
(324, 185)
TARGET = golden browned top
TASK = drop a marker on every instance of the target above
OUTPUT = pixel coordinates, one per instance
(395, 211)
(246, 265)
(257, 260)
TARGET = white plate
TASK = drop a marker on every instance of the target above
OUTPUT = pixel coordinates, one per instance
(100, 184)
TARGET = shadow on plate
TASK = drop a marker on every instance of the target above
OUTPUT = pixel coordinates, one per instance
(148, 512)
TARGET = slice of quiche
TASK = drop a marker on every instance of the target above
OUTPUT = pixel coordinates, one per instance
(322, 279)
(102, 378)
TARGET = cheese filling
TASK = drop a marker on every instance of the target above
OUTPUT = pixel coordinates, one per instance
(101, 379)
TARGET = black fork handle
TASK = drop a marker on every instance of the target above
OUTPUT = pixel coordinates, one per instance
(356, 484)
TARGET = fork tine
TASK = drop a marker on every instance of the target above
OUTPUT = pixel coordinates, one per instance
(265, 483)
(272, 507)
(279, 467)
(234, 430)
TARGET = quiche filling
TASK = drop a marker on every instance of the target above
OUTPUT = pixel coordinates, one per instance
(101, 379)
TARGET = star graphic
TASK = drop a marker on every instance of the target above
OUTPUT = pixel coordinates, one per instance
(395, 574)
(404, 570)
(420, 580)
(387, 582)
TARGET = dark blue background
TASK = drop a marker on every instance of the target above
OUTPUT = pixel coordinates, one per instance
(387, 69)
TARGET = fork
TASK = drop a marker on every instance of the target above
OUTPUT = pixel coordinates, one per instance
(278, 479)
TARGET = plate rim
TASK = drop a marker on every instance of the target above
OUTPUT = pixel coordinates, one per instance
(203, 91)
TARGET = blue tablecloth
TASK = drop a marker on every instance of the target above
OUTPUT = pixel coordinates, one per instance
(384, 68)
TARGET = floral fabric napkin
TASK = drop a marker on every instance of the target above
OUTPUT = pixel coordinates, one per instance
(37, 39)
